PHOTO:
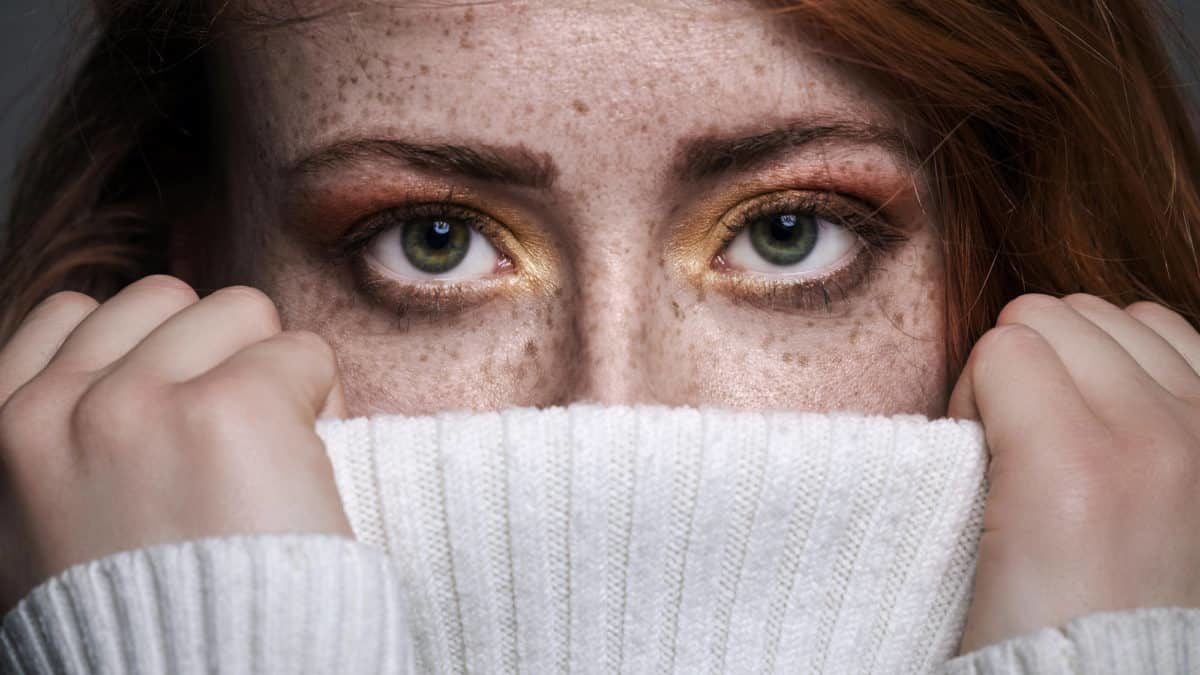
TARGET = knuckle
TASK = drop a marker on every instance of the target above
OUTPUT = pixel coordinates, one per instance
(32, 414)
(1001, 346)
(1003, 341)
(111, 413)
(1087, 301)
(1023, 307)
(1151, 312)
(165, 285)
(215, 407)
(253, 305)
(67, 303)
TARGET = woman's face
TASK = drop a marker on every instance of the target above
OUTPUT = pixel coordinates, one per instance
(529, 204)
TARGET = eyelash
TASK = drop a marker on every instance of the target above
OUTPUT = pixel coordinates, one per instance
(878, 235)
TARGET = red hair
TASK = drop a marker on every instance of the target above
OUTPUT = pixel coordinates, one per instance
(1062, 153)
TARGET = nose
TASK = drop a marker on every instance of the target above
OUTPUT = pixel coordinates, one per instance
(612, 309)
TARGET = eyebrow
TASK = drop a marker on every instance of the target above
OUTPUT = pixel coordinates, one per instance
(699, 158)
(709, 156)
(504, 165)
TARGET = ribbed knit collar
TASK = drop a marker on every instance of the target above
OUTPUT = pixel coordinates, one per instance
(614, 539)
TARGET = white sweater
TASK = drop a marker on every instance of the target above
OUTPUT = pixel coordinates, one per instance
(588, 540)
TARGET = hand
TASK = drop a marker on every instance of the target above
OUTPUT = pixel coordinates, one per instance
(157, 417)
(1092, 416)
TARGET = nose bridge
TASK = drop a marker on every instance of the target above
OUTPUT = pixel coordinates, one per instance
(613, 292)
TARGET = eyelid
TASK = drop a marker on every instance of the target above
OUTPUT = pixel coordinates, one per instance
(360, 236)
(834, 208)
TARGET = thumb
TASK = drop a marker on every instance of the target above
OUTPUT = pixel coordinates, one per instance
(335, 402)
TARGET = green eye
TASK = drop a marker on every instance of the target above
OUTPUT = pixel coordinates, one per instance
(435, 245)
(784, 238)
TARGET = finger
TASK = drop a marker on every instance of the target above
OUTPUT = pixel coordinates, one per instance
(39, 338)
(204, 335)
(1154, 354)
(1010, 375)
(297, 368)
(1172, 327)
(1111, 382)
(117, 326)
(335, 404)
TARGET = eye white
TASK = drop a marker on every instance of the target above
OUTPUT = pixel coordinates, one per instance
(387, 250)
(835, 246)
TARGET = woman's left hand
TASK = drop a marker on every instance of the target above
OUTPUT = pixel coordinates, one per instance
(1092, 416)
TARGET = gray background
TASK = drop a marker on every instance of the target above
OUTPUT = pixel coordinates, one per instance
(34, 41)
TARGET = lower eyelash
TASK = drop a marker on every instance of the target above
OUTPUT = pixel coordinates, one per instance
(428, 300)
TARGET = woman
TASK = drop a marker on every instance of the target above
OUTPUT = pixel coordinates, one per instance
(813, 206)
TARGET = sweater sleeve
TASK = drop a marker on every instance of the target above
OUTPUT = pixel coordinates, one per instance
(261, 604)
(1163, 640)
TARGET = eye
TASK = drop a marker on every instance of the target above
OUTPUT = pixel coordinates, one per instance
(788, 239)
(434, 244)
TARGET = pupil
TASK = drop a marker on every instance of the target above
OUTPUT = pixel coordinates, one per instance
(438, 235)
(784, 229)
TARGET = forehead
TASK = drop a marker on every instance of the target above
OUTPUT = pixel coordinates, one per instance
(613, 81)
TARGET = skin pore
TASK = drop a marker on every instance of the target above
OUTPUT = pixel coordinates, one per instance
(610, 156)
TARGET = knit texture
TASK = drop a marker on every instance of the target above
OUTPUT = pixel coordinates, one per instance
(599, 540)
(1164, 641)
(592, 540)
(279, 604)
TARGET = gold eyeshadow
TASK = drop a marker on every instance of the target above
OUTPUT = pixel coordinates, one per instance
(698, 237)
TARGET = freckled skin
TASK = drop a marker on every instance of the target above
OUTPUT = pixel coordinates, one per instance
(607, 95)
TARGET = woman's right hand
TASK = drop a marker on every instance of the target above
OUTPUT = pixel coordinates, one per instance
(157, 417)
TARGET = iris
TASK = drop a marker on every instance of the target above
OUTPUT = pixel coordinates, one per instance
(436, 245)
(784, 238)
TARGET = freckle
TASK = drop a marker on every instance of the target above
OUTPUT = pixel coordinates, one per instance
(787, 357)
(580, 107)
(469, 15)
(424, 69)
(759, 69)
(898, 319)
(803, 361)
(531, 349)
